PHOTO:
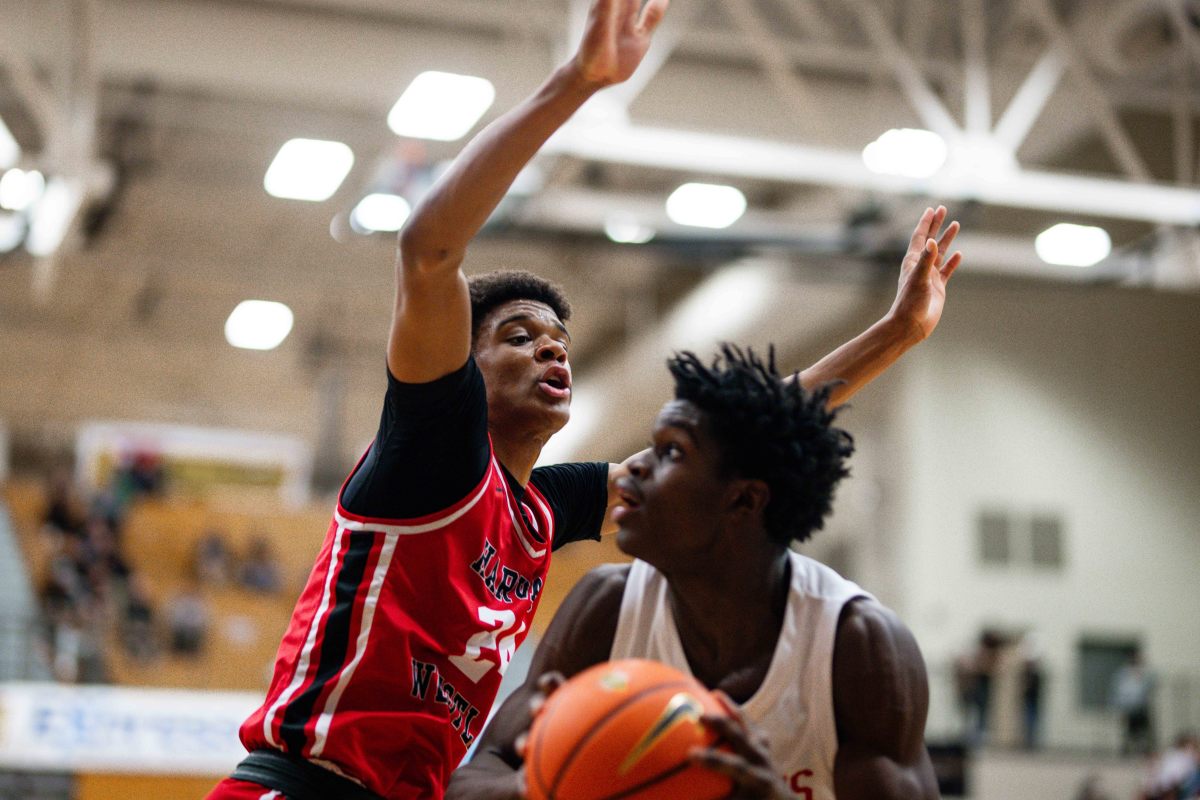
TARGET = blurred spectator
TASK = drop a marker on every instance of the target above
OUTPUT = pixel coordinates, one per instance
(1132, 694)
(63, 512)
(260, 572)
(974, 673)
(138, 625)
(1090, 789)
(189, 621)
(1175, 774)
(1032, 680)
(213, 562)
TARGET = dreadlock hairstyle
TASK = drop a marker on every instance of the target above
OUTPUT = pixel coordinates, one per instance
(492, 289)
(769, 430)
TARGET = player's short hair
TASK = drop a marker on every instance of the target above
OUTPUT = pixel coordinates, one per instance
(769, 430)
(492, 289)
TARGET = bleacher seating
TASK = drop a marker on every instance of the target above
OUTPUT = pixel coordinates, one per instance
(159, 541)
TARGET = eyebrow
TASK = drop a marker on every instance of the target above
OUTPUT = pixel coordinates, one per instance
(687, 426)
(530, 318)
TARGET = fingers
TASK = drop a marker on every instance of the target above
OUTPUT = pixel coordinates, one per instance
(745, 743)
(929, 257)
(750, 780)
(951, 264)
(948, 237)
(652, 14)
(922, 231)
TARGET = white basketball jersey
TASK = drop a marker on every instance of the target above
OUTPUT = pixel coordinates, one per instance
(794, 704)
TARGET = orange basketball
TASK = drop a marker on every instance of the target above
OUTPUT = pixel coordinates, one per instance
(623, 729)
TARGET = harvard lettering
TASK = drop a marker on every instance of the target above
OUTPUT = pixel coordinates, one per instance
(447, 695)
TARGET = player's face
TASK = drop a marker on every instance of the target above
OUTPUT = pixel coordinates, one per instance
(521, 349)
(673, 500)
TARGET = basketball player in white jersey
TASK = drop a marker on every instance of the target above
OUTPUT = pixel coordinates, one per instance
(828, 688)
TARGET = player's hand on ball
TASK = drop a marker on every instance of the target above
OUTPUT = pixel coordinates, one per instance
(924, 273)
(744, 757)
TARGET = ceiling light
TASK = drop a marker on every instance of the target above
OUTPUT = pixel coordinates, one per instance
(10, 151)
(908, 152)
(12, 232)
(441, 106)
(1073, 245)
(20, 189)
(53, 215)
(706, 205)
(258, 325)
(624, 229)
(380, 212)
(308, 169)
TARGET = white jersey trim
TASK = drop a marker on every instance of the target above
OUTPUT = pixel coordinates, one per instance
(408, 530)
(360, 645)
(306, 652)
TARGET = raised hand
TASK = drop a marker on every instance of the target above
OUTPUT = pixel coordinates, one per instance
(925, 272)
(744, 757)
(616, 39)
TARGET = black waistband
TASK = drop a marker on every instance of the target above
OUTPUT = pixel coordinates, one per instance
(298, 778)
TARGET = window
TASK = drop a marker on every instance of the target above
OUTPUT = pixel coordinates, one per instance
(1100, 659)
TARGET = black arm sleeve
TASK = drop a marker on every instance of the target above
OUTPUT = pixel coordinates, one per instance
(430, 451)
(578, 496)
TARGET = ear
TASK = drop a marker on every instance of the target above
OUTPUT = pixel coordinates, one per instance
(749, 498)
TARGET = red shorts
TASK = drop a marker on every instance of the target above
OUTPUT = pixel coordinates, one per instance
(230, 789)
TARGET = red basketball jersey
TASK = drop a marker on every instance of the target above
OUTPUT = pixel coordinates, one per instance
(395, 651)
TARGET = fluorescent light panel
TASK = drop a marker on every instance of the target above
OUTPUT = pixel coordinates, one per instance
(706, 205)
(907, 152)
(52, 216)
(380, 212)
(1073, 245)
(441, 106)
(258, 325)
(308, 169)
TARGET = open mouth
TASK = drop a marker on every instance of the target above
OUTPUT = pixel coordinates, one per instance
(556, 382)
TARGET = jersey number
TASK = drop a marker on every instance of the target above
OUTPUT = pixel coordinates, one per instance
(471, 662)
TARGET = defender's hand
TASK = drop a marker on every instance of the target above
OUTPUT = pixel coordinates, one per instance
(616, 39)
(924, 274)
(749, 764)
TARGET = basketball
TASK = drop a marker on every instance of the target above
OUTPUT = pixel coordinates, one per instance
(623, 729)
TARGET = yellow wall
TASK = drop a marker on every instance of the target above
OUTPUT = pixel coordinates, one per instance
(143, 787)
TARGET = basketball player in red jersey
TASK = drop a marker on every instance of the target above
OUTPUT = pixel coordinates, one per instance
(434, 562)
(827, 688)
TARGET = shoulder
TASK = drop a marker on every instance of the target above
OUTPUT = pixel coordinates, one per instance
(582, 631)
(880, 689)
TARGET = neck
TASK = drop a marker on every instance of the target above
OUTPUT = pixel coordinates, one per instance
(732, 613)
(519, 454)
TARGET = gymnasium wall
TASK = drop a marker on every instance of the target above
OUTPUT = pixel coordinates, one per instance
(1073, 402)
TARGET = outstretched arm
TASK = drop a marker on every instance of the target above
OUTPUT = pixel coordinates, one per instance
(431, 326)
(580, 635)
(914, 314)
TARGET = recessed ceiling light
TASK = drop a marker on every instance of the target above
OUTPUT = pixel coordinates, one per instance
(10, 151)
(441, 106)
(907, 152)
(380, 212)
(258, 325)
(20, 189)
(624, 229)
(1073, 245)
(706, 205)
(308, 169)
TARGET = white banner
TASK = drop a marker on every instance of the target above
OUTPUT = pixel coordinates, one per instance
(45, 726)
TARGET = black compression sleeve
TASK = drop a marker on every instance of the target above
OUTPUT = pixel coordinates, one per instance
(578, 496)
(430, 451)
